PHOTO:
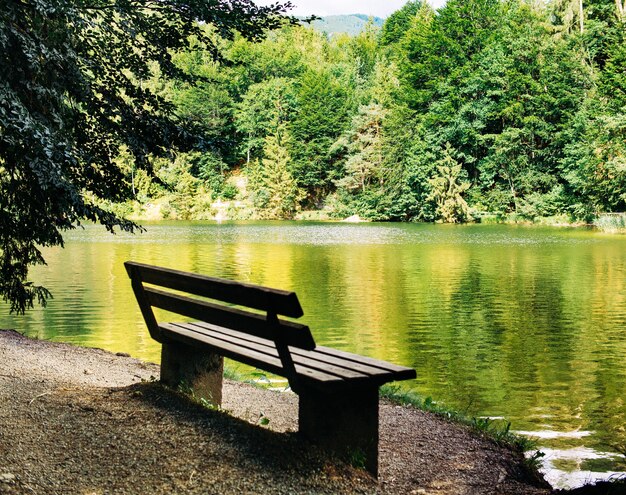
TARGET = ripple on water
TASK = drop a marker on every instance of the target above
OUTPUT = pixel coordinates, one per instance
(571, 468)
(550, 434)
(329, 234)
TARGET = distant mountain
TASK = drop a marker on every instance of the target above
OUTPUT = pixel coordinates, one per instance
(351, 24)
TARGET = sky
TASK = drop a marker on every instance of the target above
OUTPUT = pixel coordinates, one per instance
(378, 8)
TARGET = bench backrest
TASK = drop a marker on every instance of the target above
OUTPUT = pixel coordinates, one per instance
(272, 302)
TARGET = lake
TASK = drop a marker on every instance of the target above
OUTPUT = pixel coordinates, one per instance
(516, 322)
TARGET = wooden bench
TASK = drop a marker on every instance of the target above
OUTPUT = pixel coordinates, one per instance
(338, 403)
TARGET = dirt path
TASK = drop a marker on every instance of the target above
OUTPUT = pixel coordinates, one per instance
(85, 421)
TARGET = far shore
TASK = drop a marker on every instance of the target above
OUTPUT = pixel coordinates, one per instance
(239, 210)
(151, 215)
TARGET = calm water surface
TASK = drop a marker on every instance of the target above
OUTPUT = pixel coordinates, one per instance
(527, 324)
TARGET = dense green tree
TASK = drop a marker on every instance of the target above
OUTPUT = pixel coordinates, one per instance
(71, 95)
(570, 15)
(362, 51)
(447, 189)
(413, 54)
(530, 101)
(265, 105)
(363, 145)
(540, 85)
(509, 84)
(595, 160)
(504, 105)
(283, 54)
(398, 23)
(594, 151)
(205, 103)
(276, 192)
(321, 117)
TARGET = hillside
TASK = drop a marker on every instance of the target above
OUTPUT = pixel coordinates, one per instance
(351, 24)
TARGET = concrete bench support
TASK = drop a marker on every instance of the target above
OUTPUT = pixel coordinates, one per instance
(344, 423)
(197, 369)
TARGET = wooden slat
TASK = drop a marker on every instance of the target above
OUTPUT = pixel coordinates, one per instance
(399, 372)
(356, 362)
(295, 335)
(347, 369)
(257, 354)
(253, 357)
(252, 296)
(377, 372)
(248, 341)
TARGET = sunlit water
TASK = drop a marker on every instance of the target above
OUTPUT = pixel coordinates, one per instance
(522, 323)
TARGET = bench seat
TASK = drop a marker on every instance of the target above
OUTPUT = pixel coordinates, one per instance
(324, 368)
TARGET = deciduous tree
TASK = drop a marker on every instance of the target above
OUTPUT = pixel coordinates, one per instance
(71, 95)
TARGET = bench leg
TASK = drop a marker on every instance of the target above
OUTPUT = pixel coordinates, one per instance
(201, 371)
(345, 424)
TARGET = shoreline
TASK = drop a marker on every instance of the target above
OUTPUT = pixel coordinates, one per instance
(82, 420)
(233, 211)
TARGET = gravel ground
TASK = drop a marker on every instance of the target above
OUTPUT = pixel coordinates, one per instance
(85, 421)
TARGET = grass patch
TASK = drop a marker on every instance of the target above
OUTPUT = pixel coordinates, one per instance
(186, 390)
(489, 218)
(497, 430)
(562, 220)
(313, 215)
(231, 373)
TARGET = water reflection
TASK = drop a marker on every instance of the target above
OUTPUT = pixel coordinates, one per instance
(503, 321)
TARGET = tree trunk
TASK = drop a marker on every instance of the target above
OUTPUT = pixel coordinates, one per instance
(581, 17)
(132, 180)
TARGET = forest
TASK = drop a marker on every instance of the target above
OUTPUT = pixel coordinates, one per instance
(485, 108)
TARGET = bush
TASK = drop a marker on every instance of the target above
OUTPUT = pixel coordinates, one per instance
(229, 191)
(611, 222)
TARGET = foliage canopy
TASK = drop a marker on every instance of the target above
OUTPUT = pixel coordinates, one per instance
(73, 95)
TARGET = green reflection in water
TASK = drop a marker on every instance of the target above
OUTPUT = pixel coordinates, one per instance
(502, 321)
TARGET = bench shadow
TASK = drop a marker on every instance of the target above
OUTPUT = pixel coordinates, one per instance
(276, 454)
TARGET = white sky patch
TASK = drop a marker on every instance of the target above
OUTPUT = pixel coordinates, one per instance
(378, 8)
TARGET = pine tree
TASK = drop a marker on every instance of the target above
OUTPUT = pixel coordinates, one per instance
(447, 190)
(276, 191)
(364, 146)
